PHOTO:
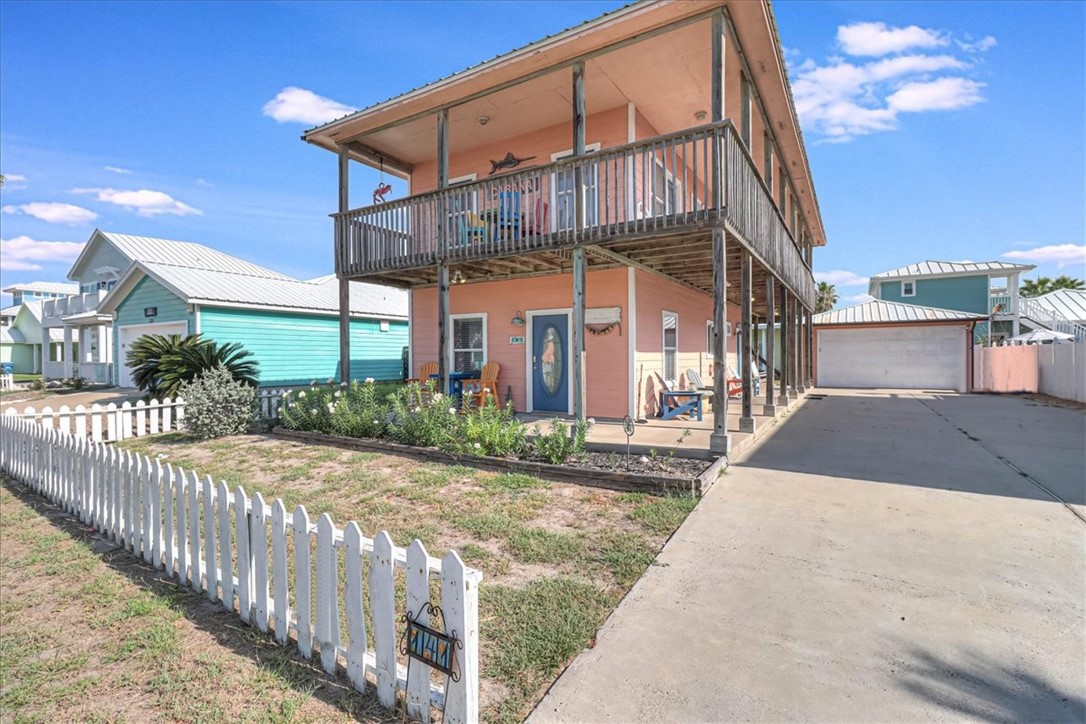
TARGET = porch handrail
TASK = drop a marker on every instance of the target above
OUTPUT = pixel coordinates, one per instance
(643, 187)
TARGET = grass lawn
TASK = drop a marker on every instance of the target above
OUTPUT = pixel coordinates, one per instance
(557, 558)
(26, 377)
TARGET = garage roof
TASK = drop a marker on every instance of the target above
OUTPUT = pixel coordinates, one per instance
(878, 311)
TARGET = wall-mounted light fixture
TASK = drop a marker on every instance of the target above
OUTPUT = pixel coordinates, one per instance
(701, 115)
(458, 278)
(517, 320)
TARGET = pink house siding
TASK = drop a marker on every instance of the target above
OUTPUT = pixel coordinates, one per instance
(654, 295)
(606, 358)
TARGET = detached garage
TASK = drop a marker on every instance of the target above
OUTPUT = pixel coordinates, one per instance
(889, 344)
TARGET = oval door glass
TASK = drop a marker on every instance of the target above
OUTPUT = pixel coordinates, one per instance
(552, 359)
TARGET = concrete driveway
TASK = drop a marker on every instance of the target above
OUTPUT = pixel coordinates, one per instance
(874, 560)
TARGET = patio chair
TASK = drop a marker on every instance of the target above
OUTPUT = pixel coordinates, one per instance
(425, 371)
(536, 225)
(472, 228)
(680, 402)
(509, 214)
(487, 384)
(735, 384)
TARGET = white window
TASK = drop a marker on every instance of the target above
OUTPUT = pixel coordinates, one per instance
(384, 325)
(908, 289)
(665, 190)
(671, 346)
(468, 342)
(562, 192)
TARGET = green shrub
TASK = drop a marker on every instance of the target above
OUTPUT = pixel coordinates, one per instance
(487, 430)
(216, 404)
(560, 443)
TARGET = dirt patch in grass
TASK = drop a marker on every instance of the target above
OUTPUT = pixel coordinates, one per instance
(557, 557)
(89, 633)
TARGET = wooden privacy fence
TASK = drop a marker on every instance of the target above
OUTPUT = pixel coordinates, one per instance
(278, 570)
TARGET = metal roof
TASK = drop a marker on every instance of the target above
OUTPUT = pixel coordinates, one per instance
(1068, 303)
(877, 311)
(10, 335)
(47, 287)
(321, 296)
(185, 254)
(946, 268)
(10, 311)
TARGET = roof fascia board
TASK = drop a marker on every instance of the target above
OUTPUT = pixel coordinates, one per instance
(907, 323)
(877, 280)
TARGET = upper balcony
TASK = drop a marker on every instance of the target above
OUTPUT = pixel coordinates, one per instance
(55, 310)
(652, 203)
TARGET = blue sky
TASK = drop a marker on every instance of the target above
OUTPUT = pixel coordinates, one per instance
(935, 130)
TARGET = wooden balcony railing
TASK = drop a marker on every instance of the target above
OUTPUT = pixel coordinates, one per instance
(656, 187)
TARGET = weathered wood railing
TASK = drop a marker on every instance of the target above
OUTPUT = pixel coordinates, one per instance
(221, 542)
(659, 185)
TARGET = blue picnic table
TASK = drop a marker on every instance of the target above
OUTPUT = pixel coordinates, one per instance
(456, 383)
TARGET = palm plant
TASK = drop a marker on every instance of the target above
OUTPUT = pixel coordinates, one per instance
(161, 364)
(1044, 285)
(825, 297)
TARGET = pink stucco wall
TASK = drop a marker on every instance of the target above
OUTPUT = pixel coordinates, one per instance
(607, 360)
(606, 369)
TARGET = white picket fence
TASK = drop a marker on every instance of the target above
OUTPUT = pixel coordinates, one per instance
(109, 423)
(7, 382)
(217, 540)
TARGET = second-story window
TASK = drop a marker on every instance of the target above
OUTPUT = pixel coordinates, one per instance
(908, 289)
(563, 192)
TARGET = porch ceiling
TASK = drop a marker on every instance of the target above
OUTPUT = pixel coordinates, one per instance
(685, 257)
(676, 61)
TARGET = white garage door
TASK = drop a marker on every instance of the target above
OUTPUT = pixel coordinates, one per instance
(908, 357)
(130, 333)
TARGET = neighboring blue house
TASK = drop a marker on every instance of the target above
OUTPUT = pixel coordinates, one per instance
(988, 288)
(159, 286)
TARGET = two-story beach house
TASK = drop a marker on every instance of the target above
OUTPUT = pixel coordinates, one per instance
(599, 212)
(21, 342)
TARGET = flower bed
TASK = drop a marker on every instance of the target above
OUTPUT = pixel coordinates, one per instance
(418, 421)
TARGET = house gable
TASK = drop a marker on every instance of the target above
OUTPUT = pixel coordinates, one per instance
(99, 261)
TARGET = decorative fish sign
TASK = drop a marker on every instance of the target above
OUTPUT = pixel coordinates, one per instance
(510, 161)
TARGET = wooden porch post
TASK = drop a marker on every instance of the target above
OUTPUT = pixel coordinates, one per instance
(786, 348)
(769, 409)
(442, 262)
(719, 440)
(746, 419)
(579, 208)
(801, 347)
(344, 281)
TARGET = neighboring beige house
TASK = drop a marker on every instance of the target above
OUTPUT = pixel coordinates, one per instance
(593, 209)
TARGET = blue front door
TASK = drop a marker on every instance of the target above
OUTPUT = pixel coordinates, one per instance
(550, 363)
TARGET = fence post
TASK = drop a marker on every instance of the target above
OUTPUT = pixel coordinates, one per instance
(245, 561)
(126, 420)
(156, 513)
(226, 563)
(327, 625)
(112, 422)
(280, 595)
(382, 609)
(356, 614)
(460, 604)
(167, 411)
(258, 551)
(193, 489)
(302, 587)
(96, 422)
(418, 593)
(80, 421)
(211, 571)
(169, 496)
(181, 527)
(141, 418)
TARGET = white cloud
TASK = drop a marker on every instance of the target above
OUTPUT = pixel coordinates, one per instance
(8, 177)
(979, 46)
(854, 299)
(53, 213)
(943, 94)
(304, 106)
(877, 39)
(843, 99)
(144, 202)
(117, 169)
(1060, 254)
(25, 254)
(841, 278)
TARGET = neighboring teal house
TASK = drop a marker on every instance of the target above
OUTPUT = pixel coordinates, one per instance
(290, 326)
(987, 288)
(21, 337)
